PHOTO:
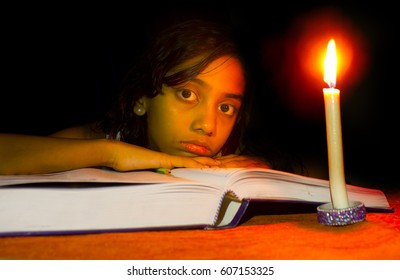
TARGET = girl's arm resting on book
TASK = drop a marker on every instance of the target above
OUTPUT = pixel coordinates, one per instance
(236, 161)
(23, 154)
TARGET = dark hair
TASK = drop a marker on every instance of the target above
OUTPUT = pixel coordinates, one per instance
(170, 48)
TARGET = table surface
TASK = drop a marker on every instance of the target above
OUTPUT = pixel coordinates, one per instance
(280, 237)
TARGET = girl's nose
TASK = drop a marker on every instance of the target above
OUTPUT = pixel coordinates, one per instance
(204, 122)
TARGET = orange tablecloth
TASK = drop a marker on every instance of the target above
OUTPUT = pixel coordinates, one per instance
(283, 237)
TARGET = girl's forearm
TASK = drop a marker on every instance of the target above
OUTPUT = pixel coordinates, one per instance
(23, 154)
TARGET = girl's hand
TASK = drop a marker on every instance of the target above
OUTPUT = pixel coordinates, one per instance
(241, 161)
(124, 157)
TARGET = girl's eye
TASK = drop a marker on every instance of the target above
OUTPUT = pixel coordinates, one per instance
(187, 95)
(227, 109)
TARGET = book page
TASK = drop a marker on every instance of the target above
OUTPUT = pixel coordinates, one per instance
(92, 199)
(260, 183)
(90, 175)
(269, 184)
(217, 176)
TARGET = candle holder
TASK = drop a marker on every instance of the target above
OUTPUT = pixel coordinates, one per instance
(330, 216)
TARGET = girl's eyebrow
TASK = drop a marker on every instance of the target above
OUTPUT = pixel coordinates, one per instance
(234, 96)
(238, 96)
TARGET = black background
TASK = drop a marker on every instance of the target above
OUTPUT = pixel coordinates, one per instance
(62, 63)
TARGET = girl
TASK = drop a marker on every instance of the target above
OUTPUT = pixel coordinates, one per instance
(183, 104)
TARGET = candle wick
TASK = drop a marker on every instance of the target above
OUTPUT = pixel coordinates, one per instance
(330, 84)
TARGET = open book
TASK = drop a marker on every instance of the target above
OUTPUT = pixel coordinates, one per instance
(99, 200)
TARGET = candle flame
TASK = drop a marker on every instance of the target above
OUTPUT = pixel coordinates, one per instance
(330, 64)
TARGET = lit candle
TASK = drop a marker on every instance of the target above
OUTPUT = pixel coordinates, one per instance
(337, 180)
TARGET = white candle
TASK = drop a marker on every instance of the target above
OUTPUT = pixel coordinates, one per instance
(337, 180)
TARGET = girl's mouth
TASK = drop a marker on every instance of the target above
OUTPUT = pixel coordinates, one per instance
(196, 149)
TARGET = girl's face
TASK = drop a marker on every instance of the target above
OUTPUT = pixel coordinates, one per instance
(196, 118)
